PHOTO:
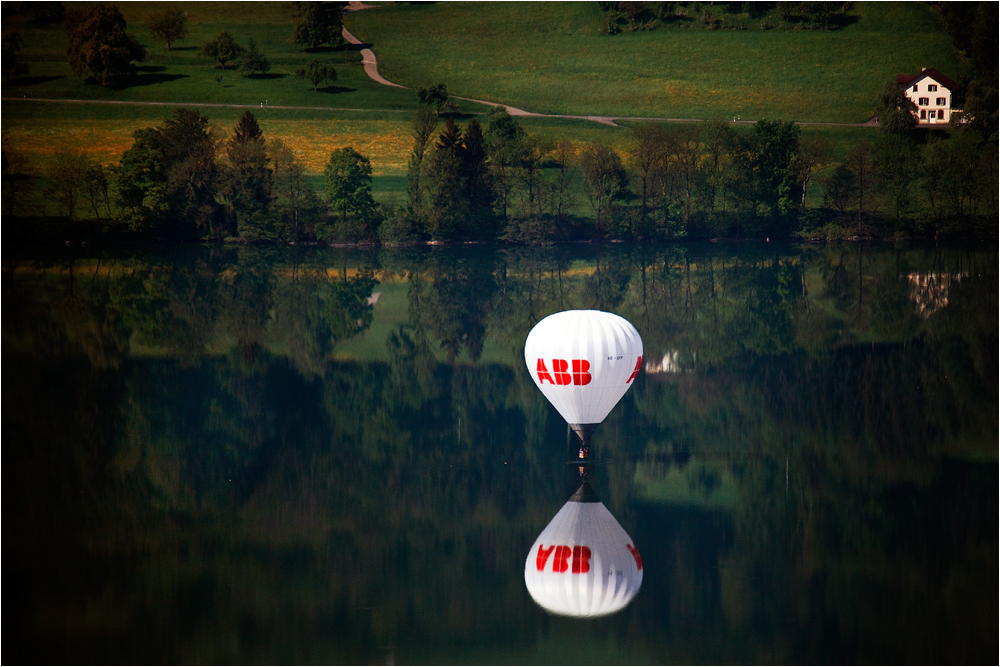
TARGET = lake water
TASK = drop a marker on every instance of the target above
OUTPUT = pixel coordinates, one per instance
(258, 455)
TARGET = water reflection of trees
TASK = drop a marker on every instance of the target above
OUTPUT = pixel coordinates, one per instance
(189, 447)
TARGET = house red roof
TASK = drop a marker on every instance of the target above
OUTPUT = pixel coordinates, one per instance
(904, 80)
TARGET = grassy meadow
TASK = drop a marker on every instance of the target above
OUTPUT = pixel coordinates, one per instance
(551, 58)
(183, 75)
(546, 57)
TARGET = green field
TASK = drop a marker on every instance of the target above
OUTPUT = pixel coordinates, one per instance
(182, 75)
(551, 58)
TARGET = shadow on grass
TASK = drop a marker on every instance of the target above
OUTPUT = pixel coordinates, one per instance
(267, 76)
(140, 80)
(32, 80)
(461, 115)
(184, 48)
(329, 49)
(334, 90)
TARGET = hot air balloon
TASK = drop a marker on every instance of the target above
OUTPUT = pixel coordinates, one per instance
(583, 563)
(583, 361)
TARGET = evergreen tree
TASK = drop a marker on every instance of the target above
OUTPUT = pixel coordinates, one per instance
(448, 205)
(246, 182)
(478, 184)
(252, 62)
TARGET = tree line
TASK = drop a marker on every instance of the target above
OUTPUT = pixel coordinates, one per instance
(630, 16)
(492, 181)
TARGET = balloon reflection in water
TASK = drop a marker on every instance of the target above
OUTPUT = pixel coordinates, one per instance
(583, 361)
(583, 563)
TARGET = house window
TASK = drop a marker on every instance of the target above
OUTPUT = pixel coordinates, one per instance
(923, 115)
(916, 89)
(932, 88)
(932, 116)
(924, 101)
(941, 114)
(942, 101)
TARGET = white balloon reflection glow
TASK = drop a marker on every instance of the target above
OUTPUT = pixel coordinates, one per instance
(584, 563)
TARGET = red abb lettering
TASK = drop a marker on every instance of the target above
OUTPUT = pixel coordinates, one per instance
(559, 368)
(543, 556)
(632, 549)
(579, 554)
(581, 560)
(543, 373)
(561, 375)
(638, 365)
(559, 561)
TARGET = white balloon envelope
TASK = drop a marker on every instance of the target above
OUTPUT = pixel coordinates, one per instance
(583, 361)
(583, 563)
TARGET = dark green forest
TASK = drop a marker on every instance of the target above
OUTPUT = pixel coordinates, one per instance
(194, 472)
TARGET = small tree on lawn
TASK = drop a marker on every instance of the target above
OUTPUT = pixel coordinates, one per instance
(437, 97)
(253, 62)
(223, 49)
(316, 73)
(169, 26)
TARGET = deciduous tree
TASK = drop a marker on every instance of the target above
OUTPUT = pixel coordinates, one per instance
(424, 123)
(348, 177)
(321, 23)
(504, 137)
(604, 179)
(165, 182)
(437, 97)
(98, 46)
(169, 26)
(316, 72)
(895, 110)
(223, 49)
(294, 201)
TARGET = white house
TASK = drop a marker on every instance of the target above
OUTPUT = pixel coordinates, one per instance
(931, 91)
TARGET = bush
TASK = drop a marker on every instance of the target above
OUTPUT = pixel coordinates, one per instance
(399, 226)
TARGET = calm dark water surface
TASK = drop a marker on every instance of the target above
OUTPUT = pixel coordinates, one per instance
(245, 455)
